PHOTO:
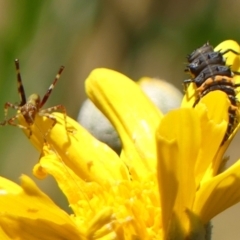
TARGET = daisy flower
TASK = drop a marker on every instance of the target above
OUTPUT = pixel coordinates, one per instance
(166, 183)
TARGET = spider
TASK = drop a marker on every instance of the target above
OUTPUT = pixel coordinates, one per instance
(32, 106)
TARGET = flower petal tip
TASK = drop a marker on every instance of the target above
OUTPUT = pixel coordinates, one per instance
(39, 171)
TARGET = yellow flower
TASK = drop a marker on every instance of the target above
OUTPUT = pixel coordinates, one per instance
(165, 184)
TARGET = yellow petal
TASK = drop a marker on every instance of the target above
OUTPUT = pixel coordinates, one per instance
(89, 158)
(190, 96)
(188, 140)
(176, 161)
(131, 112)
(118, 202)
(77, 191)
(97, 222)
(3, 235)
(79, 195)
(213, 114)
(232, 58)
(218, 194)
(25, 228)
(28, 211)
(68, 181)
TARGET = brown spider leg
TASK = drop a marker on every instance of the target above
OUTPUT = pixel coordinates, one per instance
(21, 91)
(11, 120)
(12, 123)
(53, 119)
(46, 112)
(46, 96)
(8, 105)
(28, 109)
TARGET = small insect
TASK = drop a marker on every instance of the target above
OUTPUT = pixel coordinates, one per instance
(209, 72)
(32, 106)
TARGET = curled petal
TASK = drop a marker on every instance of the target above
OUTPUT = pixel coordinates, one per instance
(25, 228)
(131, 112)
(29, 211)
(218, 193)
(78, 149)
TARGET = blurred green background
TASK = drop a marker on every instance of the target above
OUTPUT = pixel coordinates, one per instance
(137, 37)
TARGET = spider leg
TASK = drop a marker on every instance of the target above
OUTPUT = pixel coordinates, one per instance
(21, 91)
(12, 122)
(28, 109)
(47, 113)
(46, 96)
(8, 105)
